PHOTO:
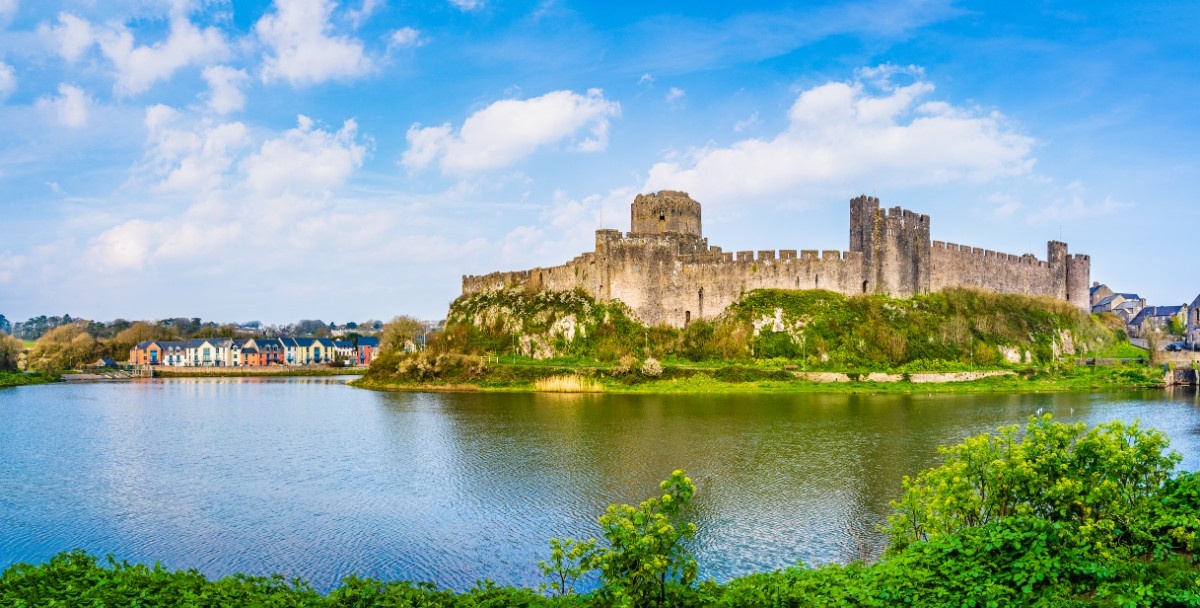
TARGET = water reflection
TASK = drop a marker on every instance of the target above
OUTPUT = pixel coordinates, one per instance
(310, 478)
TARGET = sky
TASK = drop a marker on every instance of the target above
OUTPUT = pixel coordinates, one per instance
(348, 160)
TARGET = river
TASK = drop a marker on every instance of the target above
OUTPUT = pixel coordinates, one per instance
(308, 477)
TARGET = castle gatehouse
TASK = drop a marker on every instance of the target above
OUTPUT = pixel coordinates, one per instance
(666, 272)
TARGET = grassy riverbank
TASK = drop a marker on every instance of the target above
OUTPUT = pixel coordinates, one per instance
(499, 377)
(22, 379)
(1051, 515)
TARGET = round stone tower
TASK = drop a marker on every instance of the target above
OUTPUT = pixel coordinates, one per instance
(666, 211)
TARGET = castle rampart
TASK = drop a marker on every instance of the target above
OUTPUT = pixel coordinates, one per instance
(666, 272)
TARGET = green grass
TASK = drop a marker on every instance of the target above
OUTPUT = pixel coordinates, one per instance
(20, 379)
(746, 379)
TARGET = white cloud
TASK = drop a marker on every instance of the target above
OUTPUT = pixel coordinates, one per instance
(405, 36)
(511, 129)
(363, 12)
(225, 88)
(565, 228)
(305, 159)
(9, 265)
(139, 67)
(72, 36)
(70, 108)
(743, 125)
(1072, 206)
(467, 5)
(8, 8)
(302, 52)
(192, 160)
(8, 80)
(1002, 206)
(845, 133)
(280, 188)
(646, 79)
(675, 96)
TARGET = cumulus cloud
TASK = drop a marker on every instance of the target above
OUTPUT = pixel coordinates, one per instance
(675, 95)
(511, 129)
(404, 37)
(280, 186)
(843, 133)
(139, 67)
(306, 159)
(565, 228)
(225, 88)
(1000, 206)
(70, 108)
(1072, 206)
(302, 52)
(191, 159)
(360, 15)
(467, 5)
(8, 80)
(72, 37)
(9, 265)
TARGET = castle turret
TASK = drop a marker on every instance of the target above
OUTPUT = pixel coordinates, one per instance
(1079, 273)
(663, 212)
(1056, 257)
(895, 246)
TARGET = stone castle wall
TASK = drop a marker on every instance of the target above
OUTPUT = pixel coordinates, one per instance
(666, 272)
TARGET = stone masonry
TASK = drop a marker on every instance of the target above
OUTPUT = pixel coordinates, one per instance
(666, 272)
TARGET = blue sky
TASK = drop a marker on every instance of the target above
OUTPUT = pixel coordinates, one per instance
(287, 159)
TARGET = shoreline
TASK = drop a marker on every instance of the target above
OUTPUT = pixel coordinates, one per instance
(254, 373)
(1006, 381)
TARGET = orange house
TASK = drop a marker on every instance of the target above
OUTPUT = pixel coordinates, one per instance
(149, 352)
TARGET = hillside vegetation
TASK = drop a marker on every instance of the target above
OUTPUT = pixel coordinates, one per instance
(517, 336)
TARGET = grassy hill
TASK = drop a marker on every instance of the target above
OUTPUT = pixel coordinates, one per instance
(515, 336)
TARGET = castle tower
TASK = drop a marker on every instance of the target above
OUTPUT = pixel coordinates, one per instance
(663, 212)
(1056, 257)
(895, 245)
(1079, 276)
(864, 234)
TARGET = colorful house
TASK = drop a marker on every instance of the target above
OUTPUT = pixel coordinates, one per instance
(147, 352)
(345, 351)
(367, 349)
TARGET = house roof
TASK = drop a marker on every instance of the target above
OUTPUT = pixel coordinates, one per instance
(368, 341)
(343, 344)
(1155, 312)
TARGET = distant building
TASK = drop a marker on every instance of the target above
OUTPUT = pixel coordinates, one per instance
(367, 349)
(1193, 326)
(1156, 317)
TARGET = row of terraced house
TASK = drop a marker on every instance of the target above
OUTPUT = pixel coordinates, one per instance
(255, 352)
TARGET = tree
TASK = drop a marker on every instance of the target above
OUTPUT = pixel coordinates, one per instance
(118, 347)
(10, 353)
(5, 325)
(400, 331)
(1154, 337)
(61, 348)
(646, 554)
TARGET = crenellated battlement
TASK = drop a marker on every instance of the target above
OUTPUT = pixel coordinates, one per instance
(667, 272)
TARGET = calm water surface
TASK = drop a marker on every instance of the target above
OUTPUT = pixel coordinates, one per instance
(310, 478)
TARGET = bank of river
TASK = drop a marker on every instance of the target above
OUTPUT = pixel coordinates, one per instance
(308, 477)
(736, 380)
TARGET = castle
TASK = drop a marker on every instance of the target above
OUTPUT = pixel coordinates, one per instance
(666, 272)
